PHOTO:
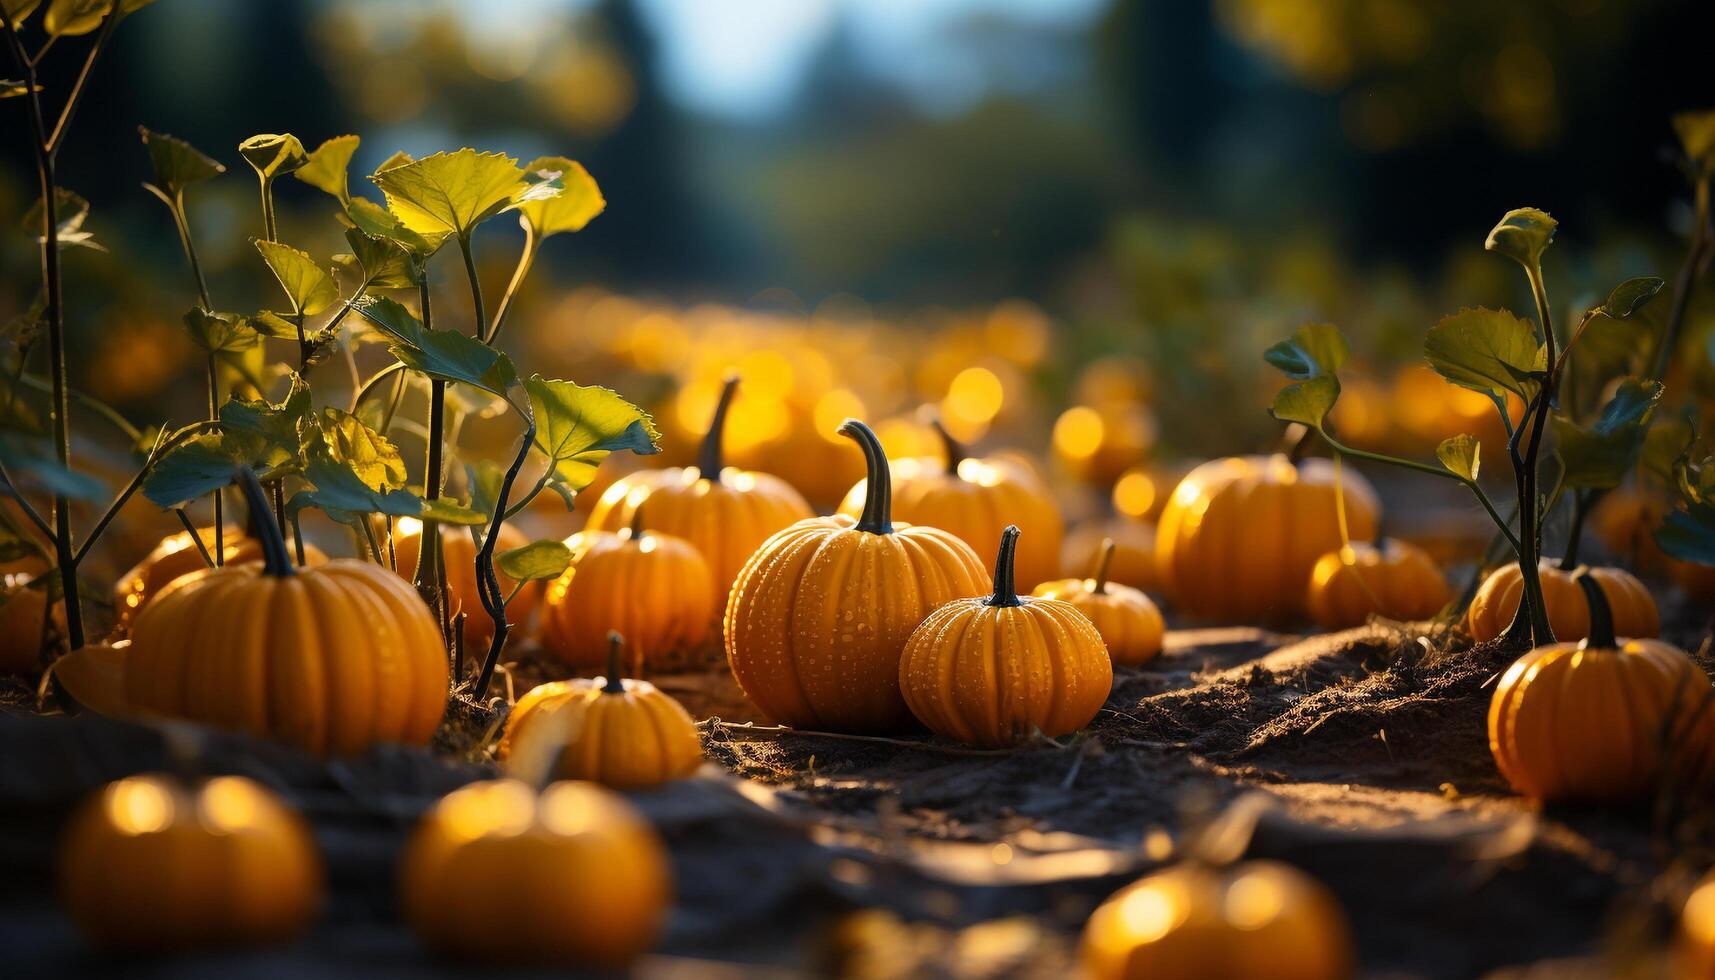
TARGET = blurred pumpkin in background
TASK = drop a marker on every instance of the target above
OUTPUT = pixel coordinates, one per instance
(1133, 560)
(1428, 408)
(1390, 578)
(809, 455)
(1128, 620)
(1694, 946)
(1095, 444)
(24, 615)
(1625, 521)
(459, 549)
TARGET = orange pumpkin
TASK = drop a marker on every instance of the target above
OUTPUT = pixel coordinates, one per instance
(1391, 578)
(332, 659)
(653, 589)
(1694, 949)
(496, 872)
(818, 617)
(975, 499)
(23, 621)
(1696, 581)
(1497, 600)
(153, 865)
(1133, 561)
(178, 555)
(725, 513)
(1239, 537)
(1097, 443)
(1601, 718)
(1256, 919)
(459, 551)
(1130, 624)
(1625, 521)
(992, 670)
(621, 733)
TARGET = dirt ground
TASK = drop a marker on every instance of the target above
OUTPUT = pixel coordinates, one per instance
(1360, 757)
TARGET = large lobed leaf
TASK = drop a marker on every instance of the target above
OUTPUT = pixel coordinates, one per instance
(176, 162)
(451, 193)
(327, 166)
(577, 204)
(446, 355)
(535, 561)
(220, 333)
(308, 286)
(1600, 455)
(1491, 351)
(578, 426)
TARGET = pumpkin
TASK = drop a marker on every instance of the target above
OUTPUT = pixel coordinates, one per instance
(1625, 521)
(151, 864)
(724, 513)
(23, 618)
(819, 615)
(573, 875)
(1128, 620)
(1239, 537)
(1497, 599)
(653, 589)
(804, 453)
(460, 550)
(615, 731)
(332, 659)
(1601, 719)
(178, 555)
(975, 499)
(1694, 949)
(992, 670)
(1255, 919)
(1391, 578)
(1097, 443)
(1133, 561)
(1695, 580)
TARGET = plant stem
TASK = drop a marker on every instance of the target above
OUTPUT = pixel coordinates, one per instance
(57, 140)
(710, 460)
(219, 503)
(1099, 581)
(479, 331)
(1696, 262)
(526, 259)
(268, 230)
(1530, 521)
(877, 516)
(429, 545)
(1503, 525)
(488, 584)
(1580, 506)
(196, 539)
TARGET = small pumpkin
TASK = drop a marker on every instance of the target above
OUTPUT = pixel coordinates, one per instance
(619, 732)
(724, 513)
(178, 555)
(332, 658)
(1601, 719)
(1128, 620)
(819, 615)
(23, 622)
(1694, 947)
(1497, 599)
(653, 589)
(975, 499)
(573, 875)
(1255, 919)
(151, 864)
(1391, 578)
(1239, 537)
(991, 670)
(1133, 562)
(459, 553)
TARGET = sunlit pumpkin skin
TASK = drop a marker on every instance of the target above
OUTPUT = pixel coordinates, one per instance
(572, 876)
(1239, 537)
(332, 659)
(23, 614)
(1128, 620)
(460, 551)
(178, 555)
(725, 513)
(1694, 946)
(1497, 599)
(1191, 922)
(1390, 578)
(1133, 562)
(653, 589)
(619, 732)
(818, 617)
(975, 499)
(993, 670)
(151, 865)
(1602, 719)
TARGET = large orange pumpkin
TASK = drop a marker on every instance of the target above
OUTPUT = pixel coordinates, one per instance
(818, 617)
(992, 670)
(975, 499)
(459, 550)
(1128, 620)
(332, 659)
(178, 555)
(1497, 599)
(1389, 578)
(1239, 537)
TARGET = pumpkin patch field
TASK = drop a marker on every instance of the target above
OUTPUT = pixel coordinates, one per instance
(1118, 489)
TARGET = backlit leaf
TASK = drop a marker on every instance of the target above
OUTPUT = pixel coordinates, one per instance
(578, 202)
(273, 154)
(577, 427)
(17, 10)
(73, 17)
(327, 165)
(1461, 455)
(535, 561)
(176, 162)
(308, 286)
(373, 219)
(1600, 455)
(276, 428)
(341, 491)
(1630, 296)
(1491, 351)
(205, 464)
(381, 263)
(451, 193)
(220, 333)
(70, 212)
(369, 454)
(1315, 348)
(1307, 402)
(443, 354)
(1522, 235)
(1696, 131)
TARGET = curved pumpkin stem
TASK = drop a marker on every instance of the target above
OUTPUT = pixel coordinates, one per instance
(615, 683)
(1103, 562)
(636, 528)
(1601, 615)
(1005, 587)
(276, 560)
(877, 517)
(709, 458)
(954, 449)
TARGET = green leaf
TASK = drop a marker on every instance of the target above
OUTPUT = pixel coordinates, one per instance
(274, 429)
(451, 193)
(74, 17)
(535, 561)
(373, 219)
(273, 154)
(272, 325)
(367, 453)
(220, 333)
(382, 263)
(1600, 455)
(205, 464)
(341, 491)
(308, 286)
(1666, 444)
(577, 427)
(446, 355)
(1461, 455)
(1491, 351)
(1522, 235)
(1307, 402)
(1689, 534)
(70, 212)
(484, 478)
(398, 159)
(1630, 296)
(326, 168)
(177, 163)
(1696, 131)
(36, 469)
(1315, 348)
(578, 203)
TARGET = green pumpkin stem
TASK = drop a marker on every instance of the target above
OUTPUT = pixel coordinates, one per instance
(954, 449)
(1601, 614)
(709, 458)
(877, 517)
(1005, 578)
(1103, 562)
(615, 683)
(276, 560)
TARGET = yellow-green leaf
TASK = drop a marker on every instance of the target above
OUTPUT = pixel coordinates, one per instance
(446, 355)
(451, 193)
(308, 286)
(73, 17)
(1307, 402)
(17, 10)
(1315, 348)
(176, 162)
(1462, 454)
(371, 456)
(535, 561)
(1696, 131)
(1522, 235)
(577, 427)
(579, 200)
(1491, 351)
(220, 333)
(327, 166)
(273, 154)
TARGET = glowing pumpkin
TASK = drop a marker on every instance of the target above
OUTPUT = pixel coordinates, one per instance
(1492, 609)
(1128, 620)
(1389, 578)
